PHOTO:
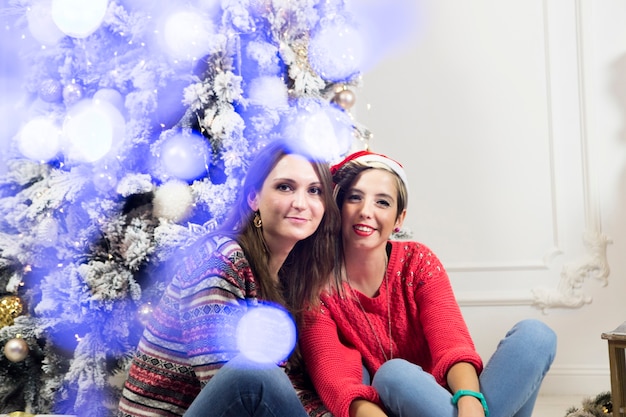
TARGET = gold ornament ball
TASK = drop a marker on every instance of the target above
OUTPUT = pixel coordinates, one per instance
(16, 350)
(10, 307)
(345, 99)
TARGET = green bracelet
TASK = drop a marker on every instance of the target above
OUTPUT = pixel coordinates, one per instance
(460, 393)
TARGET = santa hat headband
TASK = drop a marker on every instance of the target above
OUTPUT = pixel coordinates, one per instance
(366, 157)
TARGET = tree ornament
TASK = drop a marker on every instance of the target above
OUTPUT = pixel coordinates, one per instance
(173, 201)
(185, 155)
(72, 93)
(51, 90)
(345, 98)
(10, 307)
(144, 313)
(47, 232)
(16, 350)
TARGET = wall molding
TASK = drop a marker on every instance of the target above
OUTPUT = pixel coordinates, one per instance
(592, 264)
(569, 292)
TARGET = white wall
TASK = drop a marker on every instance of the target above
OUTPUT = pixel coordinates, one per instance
(510, 119)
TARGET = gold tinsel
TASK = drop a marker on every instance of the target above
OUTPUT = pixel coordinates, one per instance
(20, 414)
(10, 307)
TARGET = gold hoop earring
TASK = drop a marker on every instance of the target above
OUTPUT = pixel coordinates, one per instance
(257, 220)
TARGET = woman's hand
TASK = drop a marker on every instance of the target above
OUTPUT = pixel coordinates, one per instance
(364, 408)
(470, 407)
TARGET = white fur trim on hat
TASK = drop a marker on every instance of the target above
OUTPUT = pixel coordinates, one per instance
(393, 165)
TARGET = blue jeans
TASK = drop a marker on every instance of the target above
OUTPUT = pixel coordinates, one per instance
(510, 380)
(241, 388)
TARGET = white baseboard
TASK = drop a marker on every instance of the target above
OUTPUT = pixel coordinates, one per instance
(584, 381)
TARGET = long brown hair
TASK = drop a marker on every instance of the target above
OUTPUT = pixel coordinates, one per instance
(309, 264)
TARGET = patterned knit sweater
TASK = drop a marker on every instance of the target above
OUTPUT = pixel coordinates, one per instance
(427, 329)
(193, 333)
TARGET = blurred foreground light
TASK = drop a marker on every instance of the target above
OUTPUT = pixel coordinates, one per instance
(92, 130)
(268, 91)
(336, 51)
(39, 139)
(78, 18)
(266, 334)
(326, 132)
(187, 35)
(387, 27)
(40, 23)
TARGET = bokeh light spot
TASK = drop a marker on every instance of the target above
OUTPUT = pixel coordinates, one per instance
(325, 131)
(187, 35)
(39, 139)
(41, 25)
(336, 51)
(266, 334)
(78, 18)
(92, 129)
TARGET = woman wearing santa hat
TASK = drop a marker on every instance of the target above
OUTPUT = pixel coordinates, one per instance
(390, 339)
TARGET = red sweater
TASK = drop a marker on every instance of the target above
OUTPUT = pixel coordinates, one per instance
(427, 329)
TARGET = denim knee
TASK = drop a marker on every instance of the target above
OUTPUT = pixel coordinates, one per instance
(394, 371)
(254, 378)
(538, 335)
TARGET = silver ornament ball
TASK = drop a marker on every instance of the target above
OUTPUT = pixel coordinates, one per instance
(72, 93)
(51, 90)
(16, 350)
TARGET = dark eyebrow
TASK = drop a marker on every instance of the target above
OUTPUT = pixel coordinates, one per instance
(384, 195)
(292, 181)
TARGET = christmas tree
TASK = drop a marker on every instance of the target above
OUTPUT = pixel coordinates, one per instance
(130, 124)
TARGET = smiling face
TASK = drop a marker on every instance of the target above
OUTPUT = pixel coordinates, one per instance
(369, 213)
(290, 203)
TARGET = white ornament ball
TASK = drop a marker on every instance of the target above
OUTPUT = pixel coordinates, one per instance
(47, 232)
(185, 155)
(16, 350)
(173, 201)
(112, 96)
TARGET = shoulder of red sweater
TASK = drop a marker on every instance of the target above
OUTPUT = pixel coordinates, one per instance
(408, 246)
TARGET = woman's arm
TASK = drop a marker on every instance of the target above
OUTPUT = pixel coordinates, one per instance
(463, 376)
(364, 408)
(336, 370)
